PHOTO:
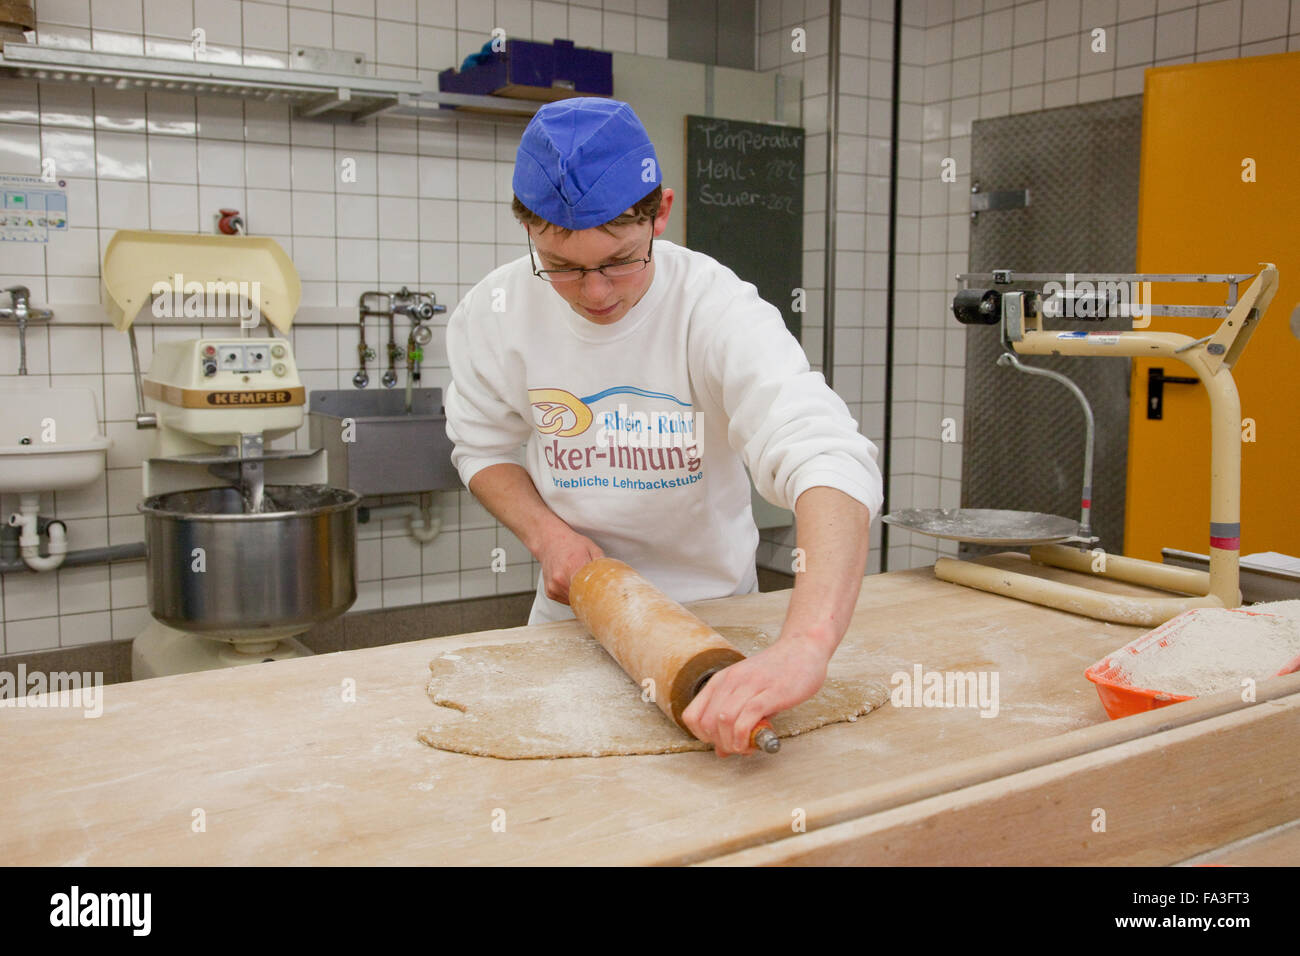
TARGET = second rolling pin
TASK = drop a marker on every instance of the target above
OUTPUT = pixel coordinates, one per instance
(653, 637)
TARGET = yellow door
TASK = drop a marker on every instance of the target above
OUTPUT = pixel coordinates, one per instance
(1207, 128)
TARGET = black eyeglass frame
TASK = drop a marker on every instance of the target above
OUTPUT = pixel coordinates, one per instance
(582, 272)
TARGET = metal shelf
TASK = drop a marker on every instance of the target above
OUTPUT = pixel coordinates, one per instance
(328, 95)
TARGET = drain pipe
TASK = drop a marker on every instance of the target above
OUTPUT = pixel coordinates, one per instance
(421, 525)
(29, 541)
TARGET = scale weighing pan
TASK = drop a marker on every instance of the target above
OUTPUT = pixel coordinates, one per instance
(985, 525)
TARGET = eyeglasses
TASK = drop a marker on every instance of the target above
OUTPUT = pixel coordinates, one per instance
(612, 270)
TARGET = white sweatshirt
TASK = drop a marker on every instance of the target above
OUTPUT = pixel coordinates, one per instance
(637, 434)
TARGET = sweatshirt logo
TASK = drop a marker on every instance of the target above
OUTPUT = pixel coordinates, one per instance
(560, 413)
(564, 415)
(653, 448)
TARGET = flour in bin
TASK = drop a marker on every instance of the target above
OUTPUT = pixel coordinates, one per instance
(1212, 649)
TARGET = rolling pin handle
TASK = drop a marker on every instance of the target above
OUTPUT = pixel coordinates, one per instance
(764, 738)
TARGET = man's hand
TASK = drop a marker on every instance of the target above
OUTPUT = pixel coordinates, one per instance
(561, 556)
(510, 495)
(737, 698)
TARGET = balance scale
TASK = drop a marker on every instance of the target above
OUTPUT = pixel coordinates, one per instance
(1062, 542)
(247, 545)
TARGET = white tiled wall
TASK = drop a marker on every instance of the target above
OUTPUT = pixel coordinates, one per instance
(429, 208)
(862, 199)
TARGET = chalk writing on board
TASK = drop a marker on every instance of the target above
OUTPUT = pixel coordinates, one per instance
(749, 162)
(724, 135)
(744, 203)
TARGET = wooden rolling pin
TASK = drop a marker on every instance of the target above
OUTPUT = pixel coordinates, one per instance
(652, 636)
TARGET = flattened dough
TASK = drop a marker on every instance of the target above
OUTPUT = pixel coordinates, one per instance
(566, 697)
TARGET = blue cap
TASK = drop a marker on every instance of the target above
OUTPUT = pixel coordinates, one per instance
(583, 161)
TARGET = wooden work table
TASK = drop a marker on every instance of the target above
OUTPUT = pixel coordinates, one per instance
(286, 771)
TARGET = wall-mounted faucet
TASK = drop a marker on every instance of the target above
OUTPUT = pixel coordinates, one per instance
(419, 307)
(19, 311)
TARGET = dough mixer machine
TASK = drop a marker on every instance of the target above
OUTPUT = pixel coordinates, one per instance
(238, 566)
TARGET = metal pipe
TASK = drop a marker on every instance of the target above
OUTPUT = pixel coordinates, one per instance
(117, 552)
(387, 512)
(1085, 516)
(832, 173)
(421, 523)
(891, 271)
(143, 419)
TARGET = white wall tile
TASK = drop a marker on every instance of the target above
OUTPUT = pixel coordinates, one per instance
(266, 122)
(220, 162)
(123, 205)
(170, 114)
(266, 166)
(1135, 42)
(73, 253)
(76, 629)
(1175, 34)
(221, 20)
(31, 635)
(29, 595)
(1063, 17)
(83, 590)
(172, 160)
(220, 118)
(166, 18)
(68, 12)
(266, 25)
(173, 208)
(124, 16)
(1265, 20)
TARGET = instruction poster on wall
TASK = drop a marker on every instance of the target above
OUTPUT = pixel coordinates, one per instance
(31, 208)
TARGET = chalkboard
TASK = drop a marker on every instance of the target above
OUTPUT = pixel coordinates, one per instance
(744, 204)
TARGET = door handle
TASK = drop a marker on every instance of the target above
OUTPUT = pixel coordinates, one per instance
(1156, 379)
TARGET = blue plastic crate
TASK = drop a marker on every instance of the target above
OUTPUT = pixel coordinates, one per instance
(534, 71)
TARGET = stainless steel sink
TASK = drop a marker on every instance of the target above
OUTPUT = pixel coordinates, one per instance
(375, 447)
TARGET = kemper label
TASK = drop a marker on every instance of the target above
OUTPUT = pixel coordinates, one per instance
(279, 396)
(246, 398)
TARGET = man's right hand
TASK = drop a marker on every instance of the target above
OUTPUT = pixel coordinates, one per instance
(561, 557)
(509, 494)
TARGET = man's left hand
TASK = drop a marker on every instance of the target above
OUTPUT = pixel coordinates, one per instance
(737, 698)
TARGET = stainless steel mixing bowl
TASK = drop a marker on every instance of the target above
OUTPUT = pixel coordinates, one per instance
(263, 576)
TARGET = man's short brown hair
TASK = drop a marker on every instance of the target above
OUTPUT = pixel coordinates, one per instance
(644, 210)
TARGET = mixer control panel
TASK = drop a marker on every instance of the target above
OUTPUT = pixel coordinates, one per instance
(213, 390)
(242, 358)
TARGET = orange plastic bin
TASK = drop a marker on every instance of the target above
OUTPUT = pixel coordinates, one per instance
(1118, 696)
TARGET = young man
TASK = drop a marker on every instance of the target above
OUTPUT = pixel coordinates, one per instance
(643, 379)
